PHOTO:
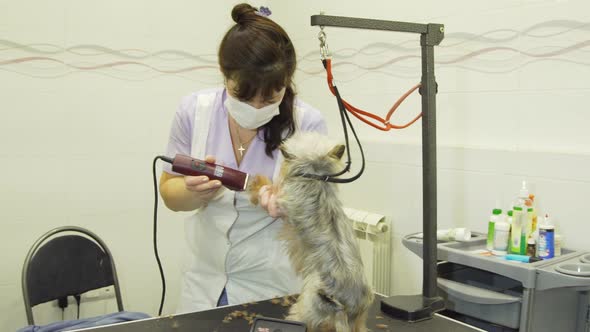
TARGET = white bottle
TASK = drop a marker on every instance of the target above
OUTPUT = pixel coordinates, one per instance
(501, 237)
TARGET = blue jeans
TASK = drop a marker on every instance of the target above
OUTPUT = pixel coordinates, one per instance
(222, 298)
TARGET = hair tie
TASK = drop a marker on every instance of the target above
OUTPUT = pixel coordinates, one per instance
(264, 11)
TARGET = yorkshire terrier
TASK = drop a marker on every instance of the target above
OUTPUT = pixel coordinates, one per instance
(320, 239)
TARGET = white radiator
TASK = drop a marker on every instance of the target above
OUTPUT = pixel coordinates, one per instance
(374, 238)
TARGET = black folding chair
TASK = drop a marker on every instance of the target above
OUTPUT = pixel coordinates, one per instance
(67, 265)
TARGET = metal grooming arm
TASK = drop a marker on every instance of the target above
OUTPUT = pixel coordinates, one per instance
(414, 307)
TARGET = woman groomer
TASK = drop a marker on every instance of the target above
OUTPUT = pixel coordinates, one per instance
(235, 255)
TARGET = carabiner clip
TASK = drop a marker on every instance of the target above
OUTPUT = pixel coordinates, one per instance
(324, 51)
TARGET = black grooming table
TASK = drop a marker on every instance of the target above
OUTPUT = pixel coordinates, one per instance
(236, 319)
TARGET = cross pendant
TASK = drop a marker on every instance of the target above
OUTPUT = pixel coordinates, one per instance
(241, 149)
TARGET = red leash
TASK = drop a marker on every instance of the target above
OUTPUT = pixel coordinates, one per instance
(383, 124)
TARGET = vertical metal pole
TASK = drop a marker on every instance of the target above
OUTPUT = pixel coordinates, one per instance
(428, 91)
(423, 306)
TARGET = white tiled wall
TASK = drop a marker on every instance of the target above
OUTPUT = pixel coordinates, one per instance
(88, 90)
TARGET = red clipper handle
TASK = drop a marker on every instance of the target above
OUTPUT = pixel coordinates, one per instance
(229, 177)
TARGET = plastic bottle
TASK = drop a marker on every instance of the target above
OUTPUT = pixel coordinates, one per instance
(501, 236)
(534, 218)
(496, 213)
(546, 239)
(530, 216)
(521, 221)
(558, 238)
(531, 247)
(558, 244)
(453, 234)
(515, 228)
(518, 232)
(535, 237)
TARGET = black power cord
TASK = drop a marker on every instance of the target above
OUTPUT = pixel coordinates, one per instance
(344, 119)
(62, 302)
(78, 298)
(155, 238)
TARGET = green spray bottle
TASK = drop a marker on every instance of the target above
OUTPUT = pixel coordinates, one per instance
(518, 235)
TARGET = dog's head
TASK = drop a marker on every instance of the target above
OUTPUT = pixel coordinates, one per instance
(310, 153)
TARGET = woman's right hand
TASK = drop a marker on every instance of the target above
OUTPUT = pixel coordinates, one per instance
(188, 193)
(201, 186)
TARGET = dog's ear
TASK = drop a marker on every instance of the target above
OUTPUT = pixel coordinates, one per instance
(286, 154)
(337, 151)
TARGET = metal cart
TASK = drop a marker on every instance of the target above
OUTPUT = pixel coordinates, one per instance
(501, 295)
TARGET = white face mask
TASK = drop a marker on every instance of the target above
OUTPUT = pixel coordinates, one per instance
(248, 116)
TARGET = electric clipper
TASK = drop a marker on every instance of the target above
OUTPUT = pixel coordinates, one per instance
(229, 177)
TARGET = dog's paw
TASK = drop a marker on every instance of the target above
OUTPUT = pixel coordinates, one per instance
(254, 187)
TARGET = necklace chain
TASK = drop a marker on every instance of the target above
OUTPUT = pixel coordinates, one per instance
(242, 149)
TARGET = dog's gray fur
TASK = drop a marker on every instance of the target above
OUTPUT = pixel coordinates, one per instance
(320, 239)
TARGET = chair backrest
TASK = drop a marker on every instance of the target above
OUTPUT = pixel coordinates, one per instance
(65, 265)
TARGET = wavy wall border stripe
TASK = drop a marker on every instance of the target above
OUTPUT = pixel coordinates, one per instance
(493, 52)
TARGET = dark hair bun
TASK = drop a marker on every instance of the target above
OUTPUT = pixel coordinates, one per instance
(242, 12)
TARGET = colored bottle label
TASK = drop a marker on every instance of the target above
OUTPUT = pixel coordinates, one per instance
(517, 238)
(530, 227)
(522, 249)
(546, 243)
(490, 240)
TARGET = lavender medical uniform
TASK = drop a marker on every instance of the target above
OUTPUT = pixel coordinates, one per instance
(232, 243)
